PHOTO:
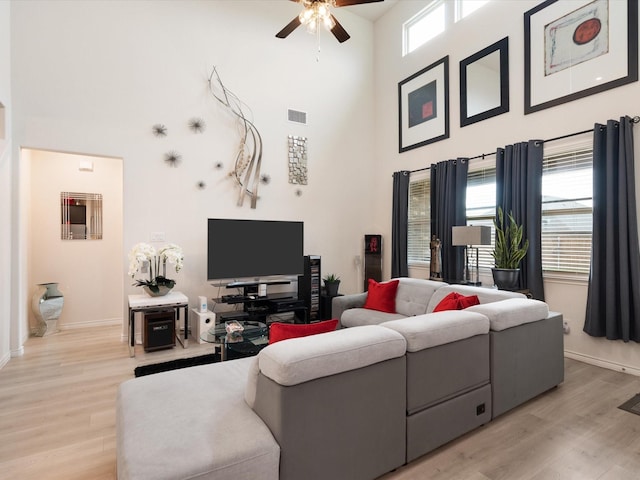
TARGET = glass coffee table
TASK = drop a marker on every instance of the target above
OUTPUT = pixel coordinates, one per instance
(250, 341)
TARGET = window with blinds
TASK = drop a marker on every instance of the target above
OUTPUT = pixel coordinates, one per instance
(481, 207)
(419, 221)
(567, 205)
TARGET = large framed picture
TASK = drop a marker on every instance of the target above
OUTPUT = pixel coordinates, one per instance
(578, 48)
(423, 106)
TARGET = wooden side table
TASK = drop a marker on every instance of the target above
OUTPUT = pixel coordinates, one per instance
(171, 301)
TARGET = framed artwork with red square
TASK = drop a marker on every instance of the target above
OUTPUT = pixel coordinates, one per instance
(423, 106)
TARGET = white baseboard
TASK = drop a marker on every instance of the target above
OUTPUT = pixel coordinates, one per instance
(92, 323)
(4, 360)
(598, 362)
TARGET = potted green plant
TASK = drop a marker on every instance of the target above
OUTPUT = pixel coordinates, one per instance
(331, 284)
(509, 251)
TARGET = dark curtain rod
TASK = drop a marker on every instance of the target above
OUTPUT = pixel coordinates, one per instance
(635, 119)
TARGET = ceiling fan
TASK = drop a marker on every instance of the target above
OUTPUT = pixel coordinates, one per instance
(318, 12)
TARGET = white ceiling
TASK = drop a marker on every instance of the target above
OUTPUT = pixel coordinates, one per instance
(372, 11)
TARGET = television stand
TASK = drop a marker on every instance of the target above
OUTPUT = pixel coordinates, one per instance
(257, 308)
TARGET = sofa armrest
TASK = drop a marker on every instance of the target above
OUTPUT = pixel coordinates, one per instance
(345, 302)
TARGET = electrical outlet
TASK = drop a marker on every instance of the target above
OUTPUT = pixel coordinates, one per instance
(565, 327)
(157, 237)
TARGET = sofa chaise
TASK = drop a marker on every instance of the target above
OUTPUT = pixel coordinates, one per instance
(354, 403)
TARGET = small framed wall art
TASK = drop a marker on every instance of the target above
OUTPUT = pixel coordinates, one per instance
(575, 49)
(423, 106)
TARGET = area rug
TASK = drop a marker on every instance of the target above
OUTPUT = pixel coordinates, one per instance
(143, 370)
(632, 405)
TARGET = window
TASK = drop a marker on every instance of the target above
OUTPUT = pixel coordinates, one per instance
(567, 174)
(433, 20)
(467, 7)
(481, 204)
(419, 221)
(427, 24)
(567, 205)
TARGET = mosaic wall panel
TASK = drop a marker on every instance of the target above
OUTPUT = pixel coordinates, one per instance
(298, 160)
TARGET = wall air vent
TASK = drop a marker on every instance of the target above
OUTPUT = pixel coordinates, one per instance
(297, 116)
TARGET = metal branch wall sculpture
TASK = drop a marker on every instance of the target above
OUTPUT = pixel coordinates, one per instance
(249, 157)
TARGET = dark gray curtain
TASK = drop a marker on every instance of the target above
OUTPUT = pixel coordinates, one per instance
(448, 209)
(613, 298)
(519, 190)
(399, 219)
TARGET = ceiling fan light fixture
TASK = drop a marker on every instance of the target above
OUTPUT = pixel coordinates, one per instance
(317, 13)
(306, 16)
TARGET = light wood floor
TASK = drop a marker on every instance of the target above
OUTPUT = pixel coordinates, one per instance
(57, 419)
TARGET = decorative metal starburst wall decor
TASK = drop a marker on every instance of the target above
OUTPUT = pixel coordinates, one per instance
(172, 158)
(159, 130)
(197, 125)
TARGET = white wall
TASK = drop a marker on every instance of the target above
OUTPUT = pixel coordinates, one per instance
(467, 37)
(89, 278)
(94, 77)
(5, 185)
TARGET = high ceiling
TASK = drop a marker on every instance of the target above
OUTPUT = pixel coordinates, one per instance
(372, 11)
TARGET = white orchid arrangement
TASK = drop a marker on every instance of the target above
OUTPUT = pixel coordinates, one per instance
(143, 253)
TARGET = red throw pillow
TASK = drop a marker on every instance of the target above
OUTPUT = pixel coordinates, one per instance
(282, 331)
(382, 296)
(455, 301)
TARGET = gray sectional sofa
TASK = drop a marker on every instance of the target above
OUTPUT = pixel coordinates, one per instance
(350, 404)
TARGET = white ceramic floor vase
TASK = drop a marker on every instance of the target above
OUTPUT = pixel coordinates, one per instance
(47, 303)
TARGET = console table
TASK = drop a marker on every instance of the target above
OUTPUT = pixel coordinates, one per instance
(171, 301)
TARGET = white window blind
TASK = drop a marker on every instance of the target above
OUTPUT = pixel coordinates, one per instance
(481, 207)
(419, 221)
(567, 206)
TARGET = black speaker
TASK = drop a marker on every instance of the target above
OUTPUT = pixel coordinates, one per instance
(309, 286)
(372, 259)
(159, 330)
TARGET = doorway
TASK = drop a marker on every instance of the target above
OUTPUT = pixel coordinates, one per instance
(88, 270)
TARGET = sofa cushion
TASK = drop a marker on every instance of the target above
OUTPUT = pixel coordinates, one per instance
(302, 359)
(413, 295)
(357, 317)
(485, 295)
(431, 329)
(192, 423)
(511, 312)
(284, 331)
(456, 301)
(382, 296)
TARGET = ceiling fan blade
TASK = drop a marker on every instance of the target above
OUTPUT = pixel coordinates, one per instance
(346, 3)
(339, 32)
(292, 25)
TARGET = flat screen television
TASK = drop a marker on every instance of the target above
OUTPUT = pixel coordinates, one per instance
(251, 249)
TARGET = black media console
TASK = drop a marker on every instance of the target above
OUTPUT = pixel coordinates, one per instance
(256, 307)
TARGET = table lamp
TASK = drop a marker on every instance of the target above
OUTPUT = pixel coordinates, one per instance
(469, 236)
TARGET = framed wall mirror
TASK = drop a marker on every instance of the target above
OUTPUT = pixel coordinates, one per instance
(81, 216)
(484, 83)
